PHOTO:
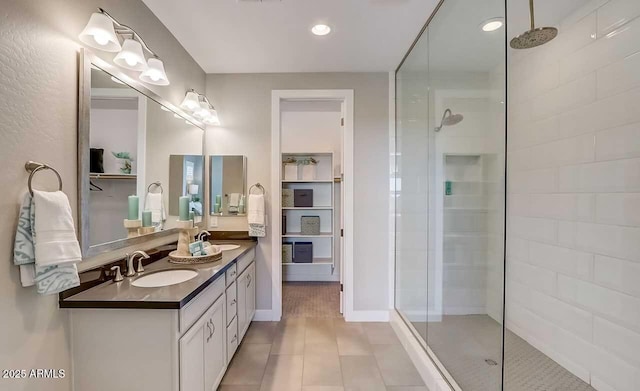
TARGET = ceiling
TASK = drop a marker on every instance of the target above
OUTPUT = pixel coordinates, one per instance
(250, 36)
(231, 36)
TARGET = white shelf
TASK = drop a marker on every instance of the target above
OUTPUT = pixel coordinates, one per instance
(307, 208)
(299, 235)
(308, 181)
(316, 262)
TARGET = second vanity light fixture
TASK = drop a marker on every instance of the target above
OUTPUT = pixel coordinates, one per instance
(103, 32)
(200, 107)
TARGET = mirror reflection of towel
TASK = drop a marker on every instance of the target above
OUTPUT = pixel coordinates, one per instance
(154, 203)
(234, 202)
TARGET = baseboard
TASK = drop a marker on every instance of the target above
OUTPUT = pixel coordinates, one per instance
(263, 316)
(430, 375)
(367, 316)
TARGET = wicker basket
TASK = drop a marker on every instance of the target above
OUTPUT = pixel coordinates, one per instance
(287, 198)
(310, 225)
(191, 260)
(287, 252)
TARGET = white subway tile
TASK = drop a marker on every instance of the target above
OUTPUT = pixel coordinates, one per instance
(544, 230)
(537, 278)
(615, 306)
(616, 14)
(578, 207)
(606, 50)
(574, 150)
(618, 110)
(618, 143)
(518, 204)
(534, 181)
(517, 248)
(619, 76)
(563, 315)
(611, 372)
(563, 260)
(618, 208)
(574, 36)
(601, 177)
(621, 341)
(577, 15)
(618, 274)
(612, 240)
(568, 96)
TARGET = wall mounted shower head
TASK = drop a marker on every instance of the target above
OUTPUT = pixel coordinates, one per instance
(535, 36)
(449, 119)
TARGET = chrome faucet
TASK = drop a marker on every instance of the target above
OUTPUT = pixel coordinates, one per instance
(130, 258)
(202, 234)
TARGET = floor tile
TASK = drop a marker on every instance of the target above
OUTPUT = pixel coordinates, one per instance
(360, 373)
(261, 332)
(239, 388)
(248, 365)
(407, 388)
(288, 341)
(321, 348)
(352, 341)
(396, 366)
(379, 333)
(319, 331)
(322, 388)
(322, 370)
(283, 373)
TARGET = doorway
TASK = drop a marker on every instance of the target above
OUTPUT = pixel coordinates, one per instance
(312, 206)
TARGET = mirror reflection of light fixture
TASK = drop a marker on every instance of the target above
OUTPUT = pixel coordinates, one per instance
(199, 106)
(155, 73)
(99, 33)
(212, 119)
(191, 101)
(103, 31)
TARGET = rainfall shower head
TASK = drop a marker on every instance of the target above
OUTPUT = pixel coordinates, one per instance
(449, 119)
(535, 36)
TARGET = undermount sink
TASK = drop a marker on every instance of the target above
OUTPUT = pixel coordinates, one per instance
(227, 247)
(164, 278)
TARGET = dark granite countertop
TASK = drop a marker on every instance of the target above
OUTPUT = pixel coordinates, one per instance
(124, 295)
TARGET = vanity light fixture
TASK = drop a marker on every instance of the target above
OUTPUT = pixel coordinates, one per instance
(199, 106)
(100, 34)
(191, 101)
(103, 31)
(320, 29)
(492, 24)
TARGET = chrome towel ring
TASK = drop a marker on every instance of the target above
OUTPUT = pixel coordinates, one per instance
(257, 186)
(158, 184)
(33, 167)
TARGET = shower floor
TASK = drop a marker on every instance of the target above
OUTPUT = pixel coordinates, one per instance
(462, 343)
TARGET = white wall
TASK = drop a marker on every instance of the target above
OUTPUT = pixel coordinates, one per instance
(574, 195)
(243, 102)
(38, 96)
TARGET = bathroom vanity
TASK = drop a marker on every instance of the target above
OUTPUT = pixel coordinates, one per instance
(179, 337)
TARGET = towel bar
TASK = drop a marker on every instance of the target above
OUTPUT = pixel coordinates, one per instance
(158, 184)
(33, 167)
(258, 186)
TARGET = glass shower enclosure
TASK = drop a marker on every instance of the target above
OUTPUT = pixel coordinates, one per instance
(450, 191)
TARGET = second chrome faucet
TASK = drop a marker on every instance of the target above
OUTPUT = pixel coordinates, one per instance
(130, 258)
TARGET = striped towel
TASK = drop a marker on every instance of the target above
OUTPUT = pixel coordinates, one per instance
(48, 279)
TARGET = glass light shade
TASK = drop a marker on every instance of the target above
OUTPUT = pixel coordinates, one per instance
(212, 119)
(155, 74)
(99, 33)
(131, 56)
(203, 111)
(190, 102)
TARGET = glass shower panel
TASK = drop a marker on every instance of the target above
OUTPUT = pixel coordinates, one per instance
(466, 175)
(411, 189)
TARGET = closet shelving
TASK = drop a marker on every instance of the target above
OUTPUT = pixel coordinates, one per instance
(323, 206)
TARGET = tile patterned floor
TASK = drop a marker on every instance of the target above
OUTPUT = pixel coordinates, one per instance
(321, 354)
(311, 300)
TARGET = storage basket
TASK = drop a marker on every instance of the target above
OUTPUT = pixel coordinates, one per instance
(287, 252)
(303, 252)
(308, 171)
(310, 225)
(303, 198)
(287, 198)
(290, 171)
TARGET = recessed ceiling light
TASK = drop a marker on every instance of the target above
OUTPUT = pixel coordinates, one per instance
(492, 24)
(321, 29)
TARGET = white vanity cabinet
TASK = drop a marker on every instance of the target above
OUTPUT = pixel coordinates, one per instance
(202, 351)
(164, 349)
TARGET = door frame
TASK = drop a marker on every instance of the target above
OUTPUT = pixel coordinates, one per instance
(346, 96)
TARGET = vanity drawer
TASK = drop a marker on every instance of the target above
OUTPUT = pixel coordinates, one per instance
(232, 302)
(231, 274)
(196, 307)
(246, 260)
(232, 339)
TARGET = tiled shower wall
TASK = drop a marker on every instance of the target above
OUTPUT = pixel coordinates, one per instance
(573, 266)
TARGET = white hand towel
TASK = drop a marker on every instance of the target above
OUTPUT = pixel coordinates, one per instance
(234, 202)
(153, 202)
(255, 213)
(56, 242)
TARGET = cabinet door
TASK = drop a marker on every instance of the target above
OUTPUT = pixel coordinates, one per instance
(251, 293)
(215, 344)
(191, 358)
(241, 283)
